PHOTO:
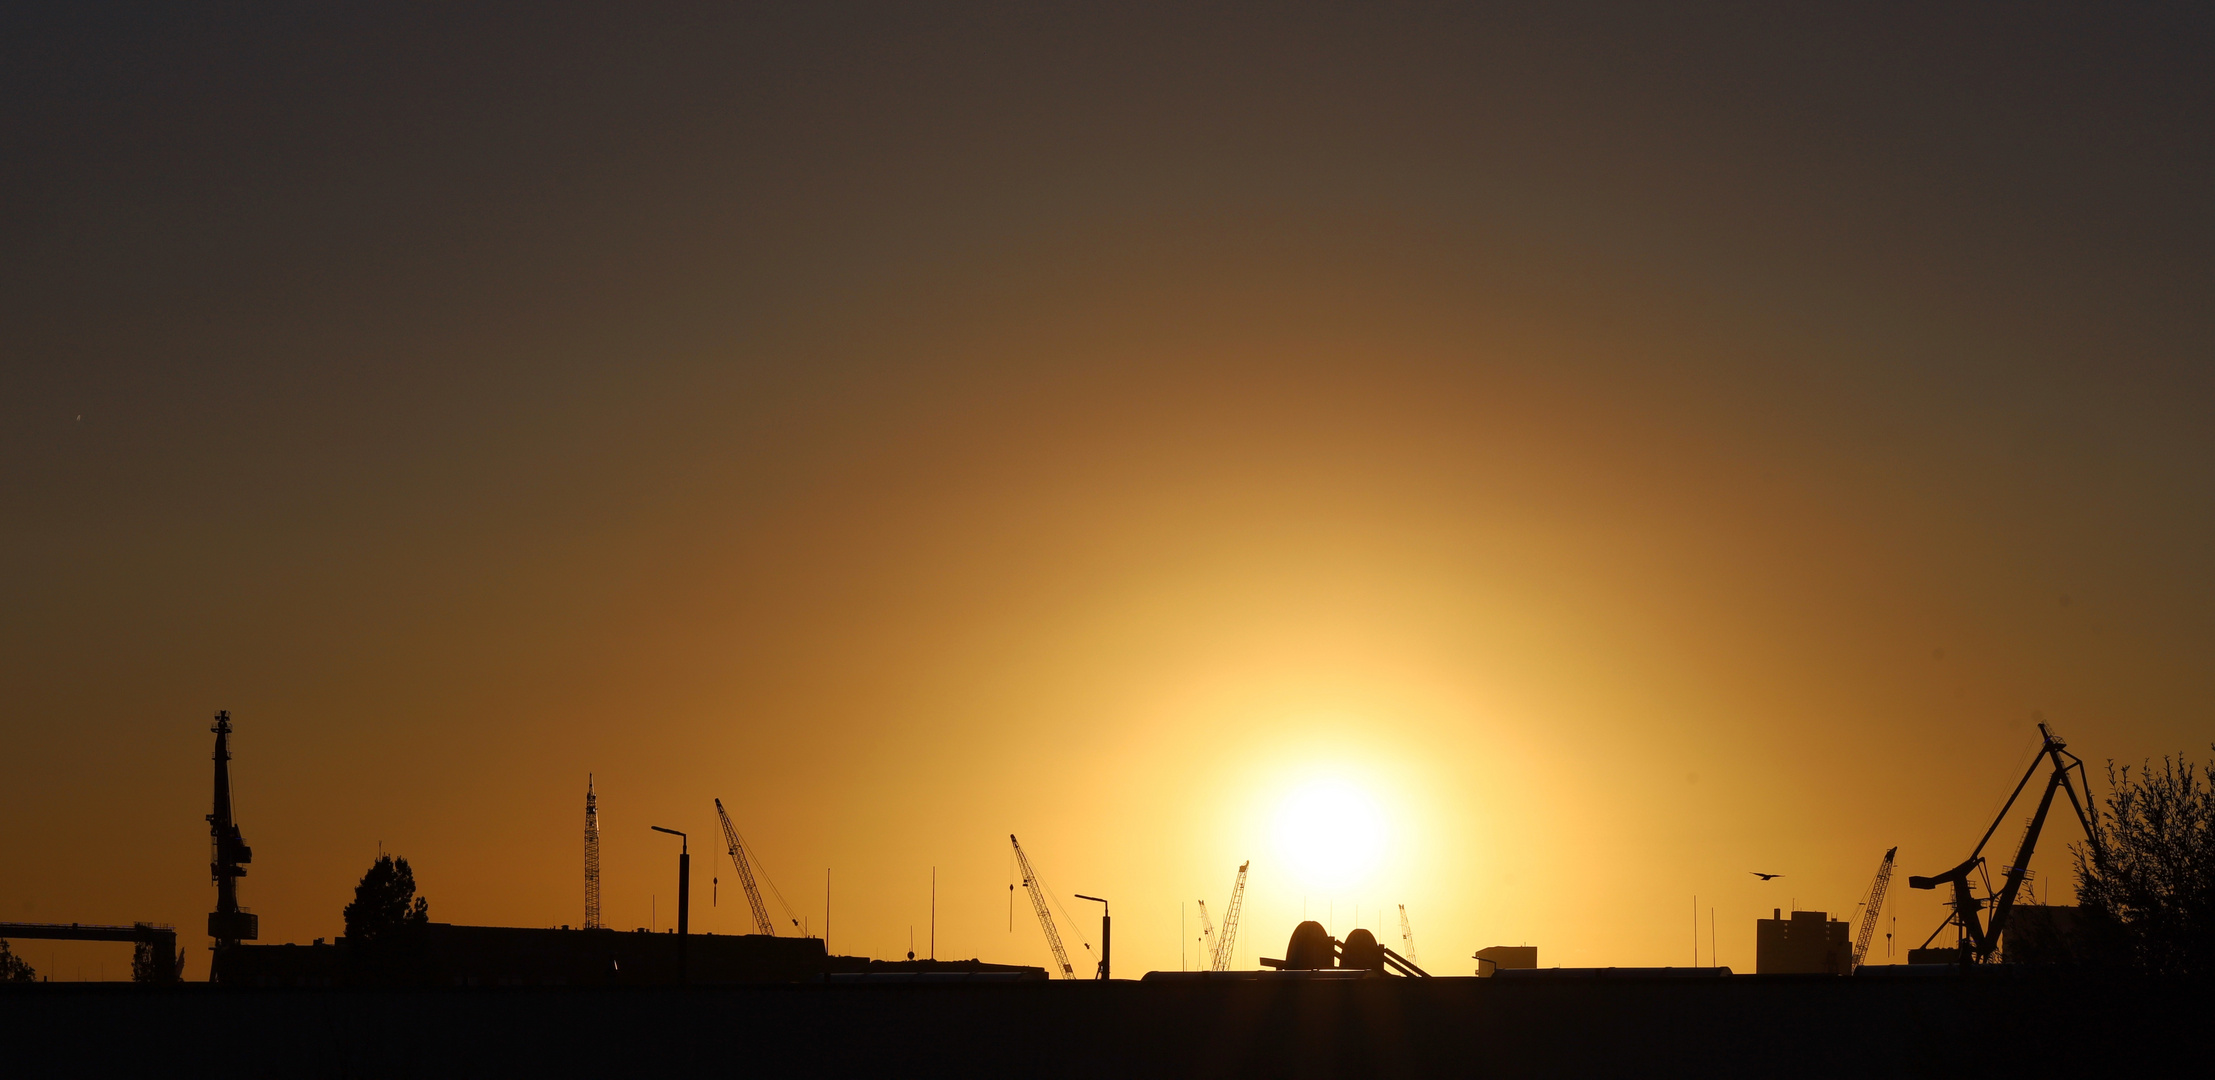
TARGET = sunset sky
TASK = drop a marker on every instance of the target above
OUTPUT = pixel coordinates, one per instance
(1534, 465)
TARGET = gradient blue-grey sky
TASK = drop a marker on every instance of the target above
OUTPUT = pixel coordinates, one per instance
(1636, 446)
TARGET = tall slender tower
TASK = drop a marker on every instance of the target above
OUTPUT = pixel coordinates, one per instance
(592, 857)
(229, 923)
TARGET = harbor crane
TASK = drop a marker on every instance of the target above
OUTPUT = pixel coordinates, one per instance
(1037, 893)
(1229, 940)
(762, 922)
(229, 923)
(1869, 915)
(1980, 938)
(1407, 933)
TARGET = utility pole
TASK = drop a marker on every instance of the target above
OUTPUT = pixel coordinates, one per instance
(1107, 933)
(684, 894)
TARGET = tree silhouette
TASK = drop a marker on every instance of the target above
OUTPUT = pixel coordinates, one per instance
(13, 968)
(382, 945)
(385, 903)
(2146, 883)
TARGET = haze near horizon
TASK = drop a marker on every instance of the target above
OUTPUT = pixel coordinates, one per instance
(1531, 465)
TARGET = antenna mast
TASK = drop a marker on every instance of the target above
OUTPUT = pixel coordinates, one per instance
(592, 857)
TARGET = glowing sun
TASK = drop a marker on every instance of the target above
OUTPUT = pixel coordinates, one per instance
(1330, 832)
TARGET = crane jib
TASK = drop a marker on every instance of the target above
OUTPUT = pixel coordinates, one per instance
(1037, 893)
(1227, 946)
(762, 925)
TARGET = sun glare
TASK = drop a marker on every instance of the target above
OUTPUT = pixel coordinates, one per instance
(1331, 833)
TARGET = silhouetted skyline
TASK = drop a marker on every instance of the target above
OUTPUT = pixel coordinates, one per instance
(1530, 465)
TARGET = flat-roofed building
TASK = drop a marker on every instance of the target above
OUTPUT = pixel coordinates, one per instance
(1808, 943)
(1494, 957)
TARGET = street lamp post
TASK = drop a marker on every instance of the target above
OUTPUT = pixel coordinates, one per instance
(1107, 933)
(684, 894)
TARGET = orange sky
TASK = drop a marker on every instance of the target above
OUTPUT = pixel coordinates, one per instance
(1628, 451)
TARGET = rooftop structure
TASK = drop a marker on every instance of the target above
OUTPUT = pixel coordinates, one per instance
(1808, 943)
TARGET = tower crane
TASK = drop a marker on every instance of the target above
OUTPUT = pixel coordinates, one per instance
(1207, 936)
(1407, 933)
(762, 923)
(1979, 939)
(1223, 948)
(1876, 904)
(1045, 915)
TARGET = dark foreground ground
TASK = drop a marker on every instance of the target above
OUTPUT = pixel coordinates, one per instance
(1776, 1026)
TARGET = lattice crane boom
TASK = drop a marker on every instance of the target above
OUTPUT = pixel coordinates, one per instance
(1407, 934)
(762, 925)
(1037, 893)
(1876, 904)
(1207, 936)
(1224, 948)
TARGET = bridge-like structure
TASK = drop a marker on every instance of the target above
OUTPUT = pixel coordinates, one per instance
(159, 942)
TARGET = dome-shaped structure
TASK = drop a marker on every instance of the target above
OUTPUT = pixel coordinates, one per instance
(1310, 948)
(1361, 950)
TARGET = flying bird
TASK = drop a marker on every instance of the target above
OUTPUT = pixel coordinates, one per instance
(1763, 876)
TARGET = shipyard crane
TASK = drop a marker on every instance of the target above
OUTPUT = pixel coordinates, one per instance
(1037, 892)
(1207, 936)
(229, 923)
(1876, 904)
(762, 924)
(1407, 935)
(1229, 941)
(1978, 938)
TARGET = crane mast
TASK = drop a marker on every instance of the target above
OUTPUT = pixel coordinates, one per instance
(762, 925)
(1407, 934)
(1223, 948)
(1876, 904)
(1207, 936)
(592, 856)
(229, 923)
(1038, 903)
